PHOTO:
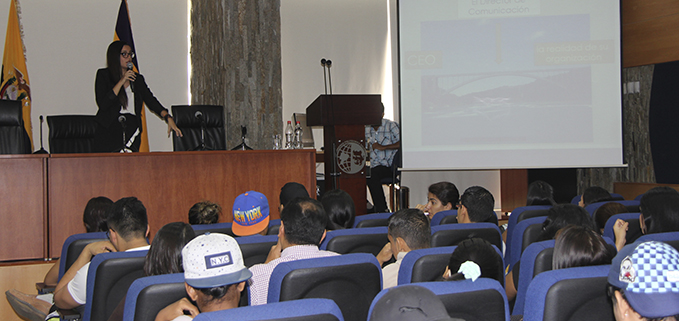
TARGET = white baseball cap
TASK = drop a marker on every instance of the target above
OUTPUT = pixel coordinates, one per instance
(213, 260)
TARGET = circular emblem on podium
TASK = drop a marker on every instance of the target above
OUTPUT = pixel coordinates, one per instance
(351, 157)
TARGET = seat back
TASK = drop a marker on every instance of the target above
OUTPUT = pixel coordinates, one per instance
(373, 222)
(438, 217)
(298, 310)
(190, 125)
(274, 226)
(452, 234)
(515, 243)
(632, 206)
(424, 265)
(360, 240)
(71, 133)
(148, 295)
(72, 247)
(633, 229)
(351, 280)
(375, 216)
(535, 259)
(483, 299)
(671, 238)
(576, 199)
(514, 220)
(108, 279)
(224, 228)
(569, 295)
(13, 136)
(255, 248)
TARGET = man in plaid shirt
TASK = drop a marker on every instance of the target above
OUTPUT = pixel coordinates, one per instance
(385, 140)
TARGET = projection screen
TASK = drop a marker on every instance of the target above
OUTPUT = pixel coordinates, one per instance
(490, 84)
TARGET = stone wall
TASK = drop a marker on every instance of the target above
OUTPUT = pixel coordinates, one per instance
(236, 62)
(636, 144)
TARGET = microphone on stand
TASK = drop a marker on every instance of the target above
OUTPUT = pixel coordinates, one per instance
(130, 66)
(325, 80)
(123, 122)
(199, 115)
(328, 63)
(42, 149)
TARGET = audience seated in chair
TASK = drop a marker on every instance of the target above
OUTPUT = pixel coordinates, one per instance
(642, 282)
(214, 274)
(290, 191)
(164, 256)
(128, 230)
(580, 246)
(27, 305)
(408, 230)
(474, 258)
(441, 196)
(204, 212)
(303, 223)
(559, 217)
(476, 206)
(603, 213)
(340, 208)
(250, 214)
(540, 193)
(659, 213)
(594, 194)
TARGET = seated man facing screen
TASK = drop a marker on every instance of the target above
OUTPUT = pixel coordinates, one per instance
(408, 230)
(127, 230)
(303, 223)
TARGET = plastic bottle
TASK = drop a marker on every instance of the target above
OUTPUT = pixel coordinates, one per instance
(288, 135)
(298, 136)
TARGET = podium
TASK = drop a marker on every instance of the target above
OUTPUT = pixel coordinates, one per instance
(344, 118)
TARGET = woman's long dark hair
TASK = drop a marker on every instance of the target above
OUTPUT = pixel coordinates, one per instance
(540, 193)
(115, 71)
(340, 208)
(580, 246)
(165, 254)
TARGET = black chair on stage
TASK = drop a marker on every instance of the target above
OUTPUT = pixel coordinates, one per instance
(203, 127)
(13, 136)
(71, 133)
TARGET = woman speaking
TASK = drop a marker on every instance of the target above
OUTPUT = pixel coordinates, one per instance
(120, 95)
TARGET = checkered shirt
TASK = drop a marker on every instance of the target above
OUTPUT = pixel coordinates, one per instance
(388, 133)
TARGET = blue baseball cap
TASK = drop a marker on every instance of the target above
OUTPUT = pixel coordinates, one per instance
(250, 214)
(648, 275)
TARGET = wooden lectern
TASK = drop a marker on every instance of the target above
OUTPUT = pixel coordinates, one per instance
(344, 118)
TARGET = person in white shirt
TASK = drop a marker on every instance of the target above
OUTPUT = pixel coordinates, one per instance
(409, 230)
(128, 229)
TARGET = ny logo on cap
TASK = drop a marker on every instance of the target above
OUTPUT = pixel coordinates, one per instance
(218, 260)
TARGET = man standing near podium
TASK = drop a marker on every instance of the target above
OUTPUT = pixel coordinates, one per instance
(385, 141)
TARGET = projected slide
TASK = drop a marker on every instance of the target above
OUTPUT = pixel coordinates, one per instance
(509, 83)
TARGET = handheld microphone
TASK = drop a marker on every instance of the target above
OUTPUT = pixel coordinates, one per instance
(130, 66)
(325, 78)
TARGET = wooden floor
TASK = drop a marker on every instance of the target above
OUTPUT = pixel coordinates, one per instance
(23, 278)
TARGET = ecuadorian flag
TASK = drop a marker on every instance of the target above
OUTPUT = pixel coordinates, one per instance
(15, 84)
(124, 32)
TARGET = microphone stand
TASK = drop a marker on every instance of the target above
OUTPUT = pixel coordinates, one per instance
(243, 145)
(42, 149)
(123, 122)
